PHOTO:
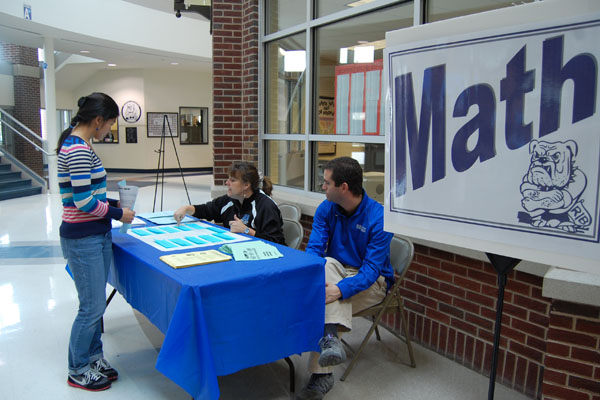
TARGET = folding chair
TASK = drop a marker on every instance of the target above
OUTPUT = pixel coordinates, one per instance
(401, 254)
(293, 232)
(290, 211)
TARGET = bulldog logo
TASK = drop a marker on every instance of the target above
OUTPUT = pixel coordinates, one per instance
(552, 188)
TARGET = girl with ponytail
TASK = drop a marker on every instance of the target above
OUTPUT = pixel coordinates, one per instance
(85, 235)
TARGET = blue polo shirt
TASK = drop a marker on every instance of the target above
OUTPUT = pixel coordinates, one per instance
(356, 240)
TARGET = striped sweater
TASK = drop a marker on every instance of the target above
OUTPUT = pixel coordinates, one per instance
(82, 183)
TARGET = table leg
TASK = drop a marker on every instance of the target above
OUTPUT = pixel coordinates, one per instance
(292, 374)
(110, 297)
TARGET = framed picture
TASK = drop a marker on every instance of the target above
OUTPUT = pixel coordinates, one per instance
(131, 135)
(113, 135)
(193, 125)
(159, 122)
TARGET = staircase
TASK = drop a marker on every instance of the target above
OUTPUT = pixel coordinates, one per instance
(13, 186)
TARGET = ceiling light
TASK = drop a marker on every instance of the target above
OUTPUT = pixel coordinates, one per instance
(359, 3)
(112, 65)
(84, 51)
(174, 63)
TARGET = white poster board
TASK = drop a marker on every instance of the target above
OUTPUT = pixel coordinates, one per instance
(493, 135)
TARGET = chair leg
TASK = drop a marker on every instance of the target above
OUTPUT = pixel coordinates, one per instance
(292, 374)
(360, 349)
(377, 332)
(407, 336)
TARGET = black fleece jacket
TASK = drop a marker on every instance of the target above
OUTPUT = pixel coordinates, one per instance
(258, 212)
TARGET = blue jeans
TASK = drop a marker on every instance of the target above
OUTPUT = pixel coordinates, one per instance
(89, 260)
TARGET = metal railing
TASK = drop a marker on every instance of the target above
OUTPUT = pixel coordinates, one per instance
(7, 147)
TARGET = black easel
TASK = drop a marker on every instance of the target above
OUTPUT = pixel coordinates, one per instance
(503, 265)
(160, 169)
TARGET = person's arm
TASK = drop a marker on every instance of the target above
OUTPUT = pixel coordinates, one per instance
(268, 223)
(319, 236)
(181, 212)
(79, 161)
(378, 251)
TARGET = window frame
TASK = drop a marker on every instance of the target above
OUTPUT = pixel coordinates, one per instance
(309, 27)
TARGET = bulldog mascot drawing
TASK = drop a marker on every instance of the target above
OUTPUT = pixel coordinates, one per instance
(552, 187)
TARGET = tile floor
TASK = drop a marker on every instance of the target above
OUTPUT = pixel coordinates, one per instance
(38, 302)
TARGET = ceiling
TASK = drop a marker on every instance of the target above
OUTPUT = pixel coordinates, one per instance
(71, 71)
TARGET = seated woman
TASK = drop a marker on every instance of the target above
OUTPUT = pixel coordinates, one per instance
(245, 208)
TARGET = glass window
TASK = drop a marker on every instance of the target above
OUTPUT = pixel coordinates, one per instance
(326, 7)
(281, 14)
(284, 162)
(193, 125)
(285, 87)
(370, 156)
(438, 10)
(349, 70)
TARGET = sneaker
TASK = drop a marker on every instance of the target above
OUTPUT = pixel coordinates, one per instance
(332, 352)
(317, 386)
(102, 367)
(89, 380)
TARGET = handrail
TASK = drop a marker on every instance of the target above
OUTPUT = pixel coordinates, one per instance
(39, 148)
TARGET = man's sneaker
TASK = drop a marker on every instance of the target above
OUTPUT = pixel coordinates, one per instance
(89, 380)
(102, 367)
(317, 386)
(332, 352)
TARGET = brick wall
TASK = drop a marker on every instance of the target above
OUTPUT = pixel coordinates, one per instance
(573, 352)
(27, 104)
(548, 349)
(235, 85)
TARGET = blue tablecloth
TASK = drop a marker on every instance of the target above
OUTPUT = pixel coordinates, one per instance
(224, 317)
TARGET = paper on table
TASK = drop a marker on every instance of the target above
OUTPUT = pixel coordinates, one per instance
(136, 221)
(127, 197)
(164, 217)
(183, 260)
(254, 250)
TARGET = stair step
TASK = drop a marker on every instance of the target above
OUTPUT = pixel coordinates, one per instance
(4, 167)
(9, 175)
(19, 192)
(14, 183)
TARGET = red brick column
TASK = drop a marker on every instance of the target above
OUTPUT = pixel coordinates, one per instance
(235, 85)
(27, 104)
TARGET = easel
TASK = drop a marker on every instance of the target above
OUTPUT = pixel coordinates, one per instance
(160, 167)
(503, 265)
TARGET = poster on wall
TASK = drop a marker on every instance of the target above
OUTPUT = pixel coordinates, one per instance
(326, 112)
(162, 122)
(494, 141)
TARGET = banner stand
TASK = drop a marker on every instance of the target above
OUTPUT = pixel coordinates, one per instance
(503, 266)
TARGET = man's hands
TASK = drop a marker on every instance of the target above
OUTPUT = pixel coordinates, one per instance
(128, 216)
(332, 293)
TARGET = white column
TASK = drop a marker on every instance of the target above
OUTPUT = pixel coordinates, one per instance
(51, 124)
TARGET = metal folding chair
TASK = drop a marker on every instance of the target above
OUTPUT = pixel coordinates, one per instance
(293, 232)
(401, 255)
(290, 211)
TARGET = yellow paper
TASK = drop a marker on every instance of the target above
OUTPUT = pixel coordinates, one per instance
(183, 260)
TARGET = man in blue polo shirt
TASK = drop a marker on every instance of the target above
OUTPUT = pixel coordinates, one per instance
(348, 231)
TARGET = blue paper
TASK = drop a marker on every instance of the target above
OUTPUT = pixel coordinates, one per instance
(166, 244)
(210, 238)
(195, 240)
(181, 242)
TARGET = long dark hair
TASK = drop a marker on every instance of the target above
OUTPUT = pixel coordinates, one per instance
(249, 174)
(91, 106)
